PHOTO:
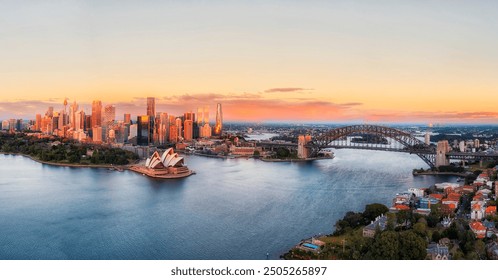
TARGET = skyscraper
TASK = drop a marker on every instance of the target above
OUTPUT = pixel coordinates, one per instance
(145, 130)
(178, 123)
(200, 116)
(127, 118)
(163, 130)
(218, 128)
(151, 106)
(79, 120)
(109, 115)
(72, 114)
(38, 122)
(96, 113)
(188, 130)
(206, 114)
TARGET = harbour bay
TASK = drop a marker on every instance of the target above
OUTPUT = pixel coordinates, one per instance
(231, 209)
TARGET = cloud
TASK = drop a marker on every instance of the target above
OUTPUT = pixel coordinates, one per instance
(287, 89)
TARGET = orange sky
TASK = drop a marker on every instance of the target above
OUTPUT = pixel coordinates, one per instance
(323, 61)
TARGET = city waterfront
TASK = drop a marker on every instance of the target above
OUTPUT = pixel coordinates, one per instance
(231, 209)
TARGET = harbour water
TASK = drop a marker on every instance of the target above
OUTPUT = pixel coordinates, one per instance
(231, 209)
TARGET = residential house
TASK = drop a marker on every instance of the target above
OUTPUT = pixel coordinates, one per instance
(478, 228)
(380, 223)
(437, 252)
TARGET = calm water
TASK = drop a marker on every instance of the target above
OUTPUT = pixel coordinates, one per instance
(231, 209)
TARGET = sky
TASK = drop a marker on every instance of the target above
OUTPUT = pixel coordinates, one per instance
(324, 61)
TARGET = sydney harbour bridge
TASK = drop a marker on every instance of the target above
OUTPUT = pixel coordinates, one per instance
(349, 137)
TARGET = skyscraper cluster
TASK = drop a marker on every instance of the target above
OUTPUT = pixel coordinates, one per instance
(153, 128)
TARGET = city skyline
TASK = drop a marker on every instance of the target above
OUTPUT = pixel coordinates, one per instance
(326, 62)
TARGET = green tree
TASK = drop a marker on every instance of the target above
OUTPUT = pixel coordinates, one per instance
(420, 229)
(374, 210)
(436, 236)
(385, 247)
(411, 246)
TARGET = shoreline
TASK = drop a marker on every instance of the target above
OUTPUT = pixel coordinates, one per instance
(293, 159)
(116, 167)
(439, 173)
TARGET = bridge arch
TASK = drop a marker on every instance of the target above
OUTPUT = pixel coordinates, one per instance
(409, 143)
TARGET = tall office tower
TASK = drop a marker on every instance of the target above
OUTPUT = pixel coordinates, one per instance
(427, 138)
(179, 127)
(195, 131)
(109, 115)
(218, 128)
(72, 114)
(108, 121)
(200, 116)
(205, 131)
(79, 120)
(188, 130)
(5, 125)
(55, 121)
(171, 120)
(145, 130)
(189, 116)
(46, 125)
(38, 122)
(173, 133)
(127, 118)
(50, 112)
(206, 114)
(96, 113)
(97, 134)
(61, 120)
(133, 131)
(151, 106)
(163, 128)
(19, 125)
(88, 122)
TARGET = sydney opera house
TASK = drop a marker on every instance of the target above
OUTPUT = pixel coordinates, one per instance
(169, 165)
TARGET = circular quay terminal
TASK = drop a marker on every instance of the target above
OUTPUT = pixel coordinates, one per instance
(248, 139)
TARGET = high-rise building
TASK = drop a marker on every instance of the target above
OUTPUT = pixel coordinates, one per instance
(50, 112)
(163, 130)
(205, 131)
(97, 134)
(61, 120)
(96, 113)
(79, 120)
(88, 123)
(145, 130)
(72, 114)
(127, 118)
(19, 125)
(200, 116)
(133, 131)
(46, 125)
(206, 114)
(5, 125)
(151, 106)
(109, 116)
(173, 133)
(188, 130)
(179, 127)
(462, 146)
(218, 128)
(189, 116)
(38, 122)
